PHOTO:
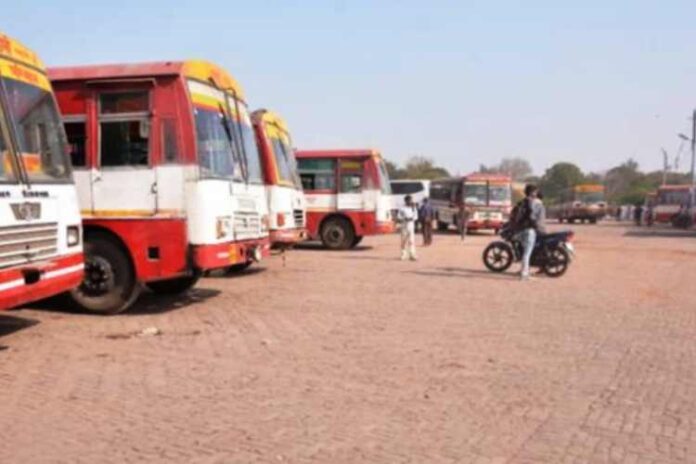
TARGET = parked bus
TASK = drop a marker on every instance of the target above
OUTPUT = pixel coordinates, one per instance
(286, 202)
(40, 230)
(581, 203)
(168, 176)
(673, 203)
(486, 197)
(348, 195)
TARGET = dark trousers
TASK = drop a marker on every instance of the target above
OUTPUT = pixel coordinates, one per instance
(427, 227)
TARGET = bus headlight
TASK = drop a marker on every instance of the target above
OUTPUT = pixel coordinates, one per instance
(223, 226)
(73, 236)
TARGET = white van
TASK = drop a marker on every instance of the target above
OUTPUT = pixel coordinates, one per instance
(417, 188)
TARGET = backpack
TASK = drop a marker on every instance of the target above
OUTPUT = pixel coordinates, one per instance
(521, 215)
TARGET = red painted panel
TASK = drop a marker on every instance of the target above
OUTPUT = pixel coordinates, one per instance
(19, 294)
(138, 235)
(208, 257)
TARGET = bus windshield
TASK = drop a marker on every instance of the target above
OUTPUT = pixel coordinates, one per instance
(673, 197)
(217, 152)
(253, 158)
(500, 194)
(475, 194)
(590, 197)
(40, 137)
(285, 160)
(383, 174)
(5, 161)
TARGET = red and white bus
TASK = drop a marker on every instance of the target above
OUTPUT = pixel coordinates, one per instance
(168, 176)
(348, 195)
(40, 230)
(487, 199)
(286, 201)
(671, 202)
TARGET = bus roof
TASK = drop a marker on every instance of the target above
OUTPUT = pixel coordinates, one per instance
(21, 64)
(356, 153)
(13, 50)
(269, 117)
(203, 71)
(589, 188)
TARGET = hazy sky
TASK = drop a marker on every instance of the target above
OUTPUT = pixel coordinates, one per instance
(463, 82)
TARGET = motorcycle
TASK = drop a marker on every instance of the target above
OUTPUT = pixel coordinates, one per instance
(552, 252)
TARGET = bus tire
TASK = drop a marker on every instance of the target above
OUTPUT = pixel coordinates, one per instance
(356, 241)
(110, 285)
(593, 220)
(337, 233)
(237, 268)
(442, 226)
(173, 286)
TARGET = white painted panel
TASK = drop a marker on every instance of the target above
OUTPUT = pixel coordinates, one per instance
(83, 184)
(170, 188)
(118, 189)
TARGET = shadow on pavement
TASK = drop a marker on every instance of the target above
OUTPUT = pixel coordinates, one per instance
(12, 324)
(464, 273)
(315, 246)
(650, 232)
(222, 274)
(152, 303)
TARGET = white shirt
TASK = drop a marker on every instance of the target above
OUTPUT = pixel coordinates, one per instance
(407, 216)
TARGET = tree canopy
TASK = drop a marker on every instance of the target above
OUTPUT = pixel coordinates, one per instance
(417, 167)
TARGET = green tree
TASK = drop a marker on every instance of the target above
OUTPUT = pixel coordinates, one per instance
(420, 167)
(394, 171)
(517, 168)
(559, 177)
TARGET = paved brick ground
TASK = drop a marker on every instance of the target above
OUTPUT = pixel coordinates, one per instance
(356, 357)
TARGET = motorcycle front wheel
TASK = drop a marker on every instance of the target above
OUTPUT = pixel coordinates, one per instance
(498, 257)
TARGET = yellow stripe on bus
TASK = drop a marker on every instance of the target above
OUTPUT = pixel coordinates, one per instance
(21, 73)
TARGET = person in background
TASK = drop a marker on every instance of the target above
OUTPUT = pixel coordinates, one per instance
(531, 216)
(463, 222)
(426, 216)
(638, 214)
(406, 217)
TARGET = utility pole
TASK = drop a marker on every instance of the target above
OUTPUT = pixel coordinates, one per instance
(665, 166)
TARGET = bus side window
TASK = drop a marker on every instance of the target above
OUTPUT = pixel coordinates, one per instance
(124, 123)
(170, 153)
(317, 174)
(351, 176)
(77, 141)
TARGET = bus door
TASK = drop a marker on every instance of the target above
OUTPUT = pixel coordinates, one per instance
(351, 182)
(125, 181)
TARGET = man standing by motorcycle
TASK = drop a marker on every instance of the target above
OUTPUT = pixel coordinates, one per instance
(529, 220)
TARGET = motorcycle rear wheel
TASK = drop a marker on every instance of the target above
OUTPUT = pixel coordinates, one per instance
(557, 262)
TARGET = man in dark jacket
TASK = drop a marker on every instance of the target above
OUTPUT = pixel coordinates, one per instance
(426, 216)
(529, 220)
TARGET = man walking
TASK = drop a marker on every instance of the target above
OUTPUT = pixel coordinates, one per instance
(531, 216)
(426, 216)
(406, 217)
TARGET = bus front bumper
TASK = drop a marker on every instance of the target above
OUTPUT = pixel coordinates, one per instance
(386, 227)
(287, 237)
(222, 255)
(35, 281)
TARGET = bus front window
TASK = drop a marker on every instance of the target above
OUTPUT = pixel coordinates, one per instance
(284, 157)
(40, 137)
(590, 197)
(384, 184)
(216, 150)
(475, 194)
(500, 194)
(5, 161)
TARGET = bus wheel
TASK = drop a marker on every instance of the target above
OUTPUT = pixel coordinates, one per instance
(442, 226)
(337, 234)
(593, 220)
(356, 241)
(109, 285)
(237, 268)
(173, 286)
(560, 219)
